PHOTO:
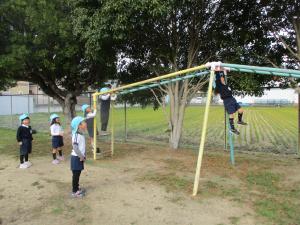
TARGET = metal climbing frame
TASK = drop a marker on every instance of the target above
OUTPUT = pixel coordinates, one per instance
(189, 73)
(143, 85)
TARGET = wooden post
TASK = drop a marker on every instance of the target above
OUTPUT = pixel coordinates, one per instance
(203, 135)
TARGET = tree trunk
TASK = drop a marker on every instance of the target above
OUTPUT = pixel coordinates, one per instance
(68, 105)
(178, 97)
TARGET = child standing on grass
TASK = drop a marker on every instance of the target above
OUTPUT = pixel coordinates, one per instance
(230, 103)
(57, 138)
(78, 126)
(89, 116)
(24, 138)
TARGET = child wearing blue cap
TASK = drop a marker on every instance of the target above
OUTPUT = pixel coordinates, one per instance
(24, 138)
(89, 116)
(57, 139)
(78, 126)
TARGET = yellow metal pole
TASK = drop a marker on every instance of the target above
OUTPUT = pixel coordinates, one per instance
(95, 126)
(203, 135)
(174, 74)
(112, 145)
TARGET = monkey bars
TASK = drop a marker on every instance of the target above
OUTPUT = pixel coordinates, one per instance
(184, 75)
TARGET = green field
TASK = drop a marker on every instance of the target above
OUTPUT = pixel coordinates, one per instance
(270, 129)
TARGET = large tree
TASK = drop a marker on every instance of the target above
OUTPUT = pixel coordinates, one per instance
(157, 37)
(5, 80)
(282, 24)
(42, 48)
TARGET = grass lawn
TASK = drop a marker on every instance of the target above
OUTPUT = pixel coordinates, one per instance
(270, 129)
(152, 184)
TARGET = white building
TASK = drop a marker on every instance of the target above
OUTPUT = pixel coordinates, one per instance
(272, 96)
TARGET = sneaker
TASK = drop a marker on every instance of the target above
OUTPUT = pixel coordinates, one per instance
(55, 162)
(23, 166)
(234, 131)
(77, 194)
(242, 123)
(61, 158)
(81, 190)
(104, 133)
(28, 163)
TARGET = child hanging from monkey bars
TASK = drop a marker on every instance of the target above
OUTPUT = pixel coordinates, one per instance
(230, 103)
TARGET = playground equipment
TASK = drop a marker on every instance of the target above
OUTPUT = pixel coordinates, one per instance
(208, 68)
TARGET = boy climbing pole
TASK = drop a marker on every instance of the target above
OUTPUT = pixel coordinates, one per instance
(230, 103)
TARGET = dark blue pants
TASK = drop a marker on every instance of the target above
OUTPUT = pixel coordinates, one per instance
(231, 105)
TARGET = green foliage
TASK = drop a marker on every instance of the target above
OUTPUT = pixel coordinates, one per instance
(156, 37)
(40, 46)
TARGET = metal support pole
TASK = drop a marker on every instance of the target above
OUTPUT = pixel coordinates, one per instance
(11, 111)
(231, 142)
(203, 135)
(48, 104)
(90, 95)
(230, 135)
(298, 150)
(95, 127)
(225, 130)
(125, 122)
(28, 104)
(112, 145)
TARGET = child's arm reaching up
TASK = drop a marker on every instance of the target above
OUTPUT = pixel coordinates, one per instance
(91, 114)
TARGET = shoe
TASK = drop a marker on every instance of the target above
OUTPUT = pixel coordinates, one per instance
(81, 190)
(77, 194)
(242, 123)
(104, 133)
(61, 158)
(29, 164)
(234, 131)
(23, 166)
(55, 162)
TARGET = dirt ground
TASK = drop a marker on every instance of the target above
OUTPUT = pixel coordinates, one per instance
(137, 186)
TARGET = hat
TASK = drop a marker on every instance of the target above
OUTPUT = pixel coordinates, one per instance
(23, 117)
(53, 116)
(75, 123)
(104, 89)
(84, 107)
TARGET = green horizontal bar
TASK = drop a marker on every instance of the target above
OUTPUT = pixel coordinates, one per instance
(265, 72)
(261, 70)
(164, 82)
